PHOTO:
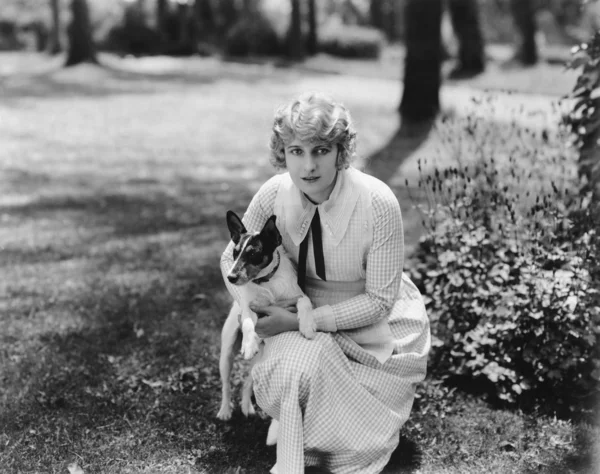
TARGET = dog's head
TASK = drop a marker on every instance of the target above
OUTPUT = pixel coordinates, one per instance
(253, 251)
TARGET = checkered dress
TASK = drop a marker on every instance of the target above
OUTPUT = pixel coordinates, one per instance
(342, 397)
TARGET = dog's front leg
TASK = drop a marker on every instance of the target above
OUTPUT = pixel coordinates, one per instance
(308, 326)
(247, 407)
(250, 340)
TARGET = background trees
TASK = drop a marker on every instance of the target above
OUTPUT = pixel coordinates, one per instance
(296, 29)
(422, 64)
(81, 43)
(524, 15)
(466, 23)
(54, 43)
(295, 46)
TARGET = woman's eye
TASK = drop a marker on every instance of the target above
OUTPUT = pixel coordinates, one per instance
(322, 151)
(296, 151)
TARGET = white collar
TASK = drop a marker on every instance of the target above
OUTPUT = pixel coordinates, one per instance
(335, 212)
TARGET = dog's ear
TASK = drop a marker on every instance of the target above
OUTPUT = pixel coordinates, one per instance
(235, 226)
(270, 233)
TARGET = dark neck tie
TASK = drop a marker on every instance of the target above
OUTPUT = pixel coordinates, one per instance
(315, 230)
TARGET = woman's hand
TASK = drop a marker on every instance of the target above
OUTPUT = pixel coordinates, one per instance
(274, 320)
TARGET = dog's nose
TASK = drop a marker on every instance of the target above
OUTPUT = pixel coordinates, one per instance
(233, 278)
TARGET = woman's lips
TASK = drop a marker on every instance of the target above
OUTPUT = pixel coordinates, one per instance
(311, 179)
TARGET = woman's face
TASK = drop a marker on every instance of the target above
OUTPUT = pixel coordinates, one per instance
(312, 167)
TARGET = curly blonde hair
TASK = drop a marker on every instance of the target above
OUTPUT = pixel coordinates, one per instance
(313, 117)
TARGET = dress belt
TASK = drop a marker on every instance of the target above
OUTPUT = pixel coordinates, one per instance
(353, 288)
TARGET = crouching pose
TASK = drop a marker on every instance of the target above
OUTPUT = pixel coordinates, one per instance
(341, 397)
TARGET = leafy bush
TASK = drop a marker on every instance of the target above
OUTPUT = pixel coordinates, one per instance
(9, 38)
(252, 36)
(584, 118)
(132, 34)
(509, 265)
(351, 41)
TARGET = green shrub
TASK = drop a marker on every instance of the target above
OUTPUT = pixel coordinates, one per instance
(509, 266)
(132, 34)
(584, 118)
(252, 36)
(9, 37)
(351, 41)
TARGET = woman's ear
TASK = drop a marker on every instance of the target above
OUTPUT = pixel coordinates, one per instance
(270, 233)
(235, 226)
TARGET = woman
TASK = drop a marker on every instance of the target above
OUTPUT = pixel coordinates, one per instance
(342, 397)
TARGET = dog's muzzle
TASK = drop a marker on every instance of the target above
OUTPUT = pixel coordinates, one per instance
(233, 279)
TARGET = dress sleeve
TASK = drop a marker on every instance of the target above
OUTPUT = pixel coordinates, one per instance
(259, 210)
(385, 260)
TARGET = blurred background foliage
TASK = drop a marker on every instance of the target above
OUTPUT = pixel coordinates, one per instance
(287, 28)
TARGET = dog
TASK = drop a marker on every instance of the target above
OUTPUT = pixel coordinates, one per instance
(264, 274)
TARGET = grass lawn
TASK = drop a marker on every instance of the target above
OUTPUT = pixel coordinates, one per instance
(114, 185)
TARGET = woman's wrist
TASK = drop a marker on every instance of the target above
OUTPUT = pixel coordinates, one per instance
(293, 324)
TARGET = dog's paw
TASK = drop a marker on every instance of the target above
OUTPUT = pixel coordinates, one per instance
(308, 327)
(248, 408)
(304, 304)
(225, 412)
(250, 347)
(260, 301)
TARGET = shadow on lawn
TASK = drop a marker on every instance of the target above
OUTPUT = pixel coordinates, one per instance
(385, 162)
(143, 371)
(127, 364)
(93, 217)
(110, 78)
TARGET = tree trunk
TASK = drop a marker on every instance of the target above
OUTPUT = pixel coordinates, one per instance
(524, 15)
(312, 39)
(203, 11)
(464, 15)
(250, 7)
(81, 43)
(204, 21)
(228, 15)
(422, 63)
(295, 41)
(186, 42)
(389, 17)
(376, 14)
(54, 45)
(162, 10)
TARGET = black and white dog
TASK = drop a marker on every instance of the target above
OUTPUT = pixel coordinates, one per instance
(264, 274)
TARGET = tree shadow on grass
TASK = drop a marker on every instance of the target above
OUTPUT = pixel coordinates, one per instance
(86, 218)
(120, 360)
(140, 370)
(112, 78)
(385, 162)
(91, 81)
(145, 374)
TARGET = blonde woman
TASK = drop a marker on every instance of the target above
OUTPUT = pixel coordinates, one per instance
(342, 397)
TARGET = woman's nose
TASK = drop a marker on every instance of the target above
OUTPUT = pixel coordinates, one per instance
(309, 163)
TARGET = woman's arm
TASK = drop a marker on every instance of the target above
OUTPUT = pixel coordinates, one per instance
(259, 210)
(384, 271)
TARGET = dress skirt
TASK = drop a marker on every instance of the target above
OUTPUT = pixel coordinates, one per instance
(339, 407)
